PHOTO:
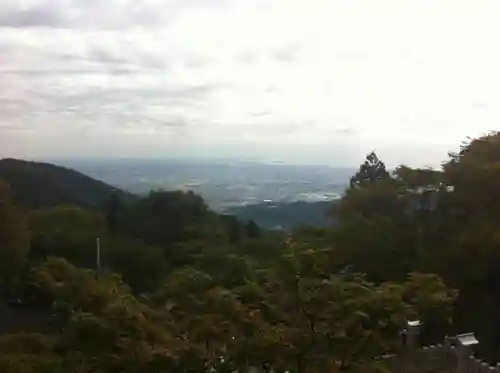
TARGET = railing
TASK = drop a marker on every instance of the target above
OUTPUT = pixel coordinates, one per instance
(453, 356)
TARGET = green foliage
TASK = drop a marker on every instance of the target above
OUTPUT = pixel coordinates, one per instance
(469, 219)
(114, 208)
(164, 217)
(14, 240)
(413, 178)
(437, 221)
(295, 314)
(380, 199)
(370, 172)
(38, 185)
(216, 293)
(30, 363)
(66, 231)
(103, 321)
(326, 321)
(284, 215)
(141, 266)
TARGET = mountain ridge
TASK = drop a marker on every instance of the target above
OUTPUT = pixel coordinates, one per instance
(39, 184)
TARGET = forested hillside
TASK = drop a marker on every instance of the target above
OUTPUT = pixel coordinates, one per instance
(37, 185)
(285, 215)
(181, 288)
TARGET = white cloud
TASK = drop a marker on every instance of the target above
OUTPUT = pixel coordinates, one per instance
(320, 81)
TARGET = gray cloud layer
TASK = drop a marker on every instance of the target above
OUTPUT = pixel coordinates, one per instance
(94, 14)
(321, 82)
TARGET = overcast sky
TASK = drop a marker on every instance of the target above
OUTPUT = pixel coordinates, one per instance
(318, 81)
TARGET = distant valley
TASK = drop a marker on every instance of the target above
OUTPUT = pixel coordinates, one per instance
(274, 196)
(224, 185)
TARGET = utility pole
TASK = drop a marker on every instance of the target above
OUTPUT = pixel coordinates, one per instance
(98, 256)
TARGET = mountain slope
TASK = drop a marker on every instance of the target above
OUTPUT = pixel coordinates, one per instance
(285, 215)
(38, 185)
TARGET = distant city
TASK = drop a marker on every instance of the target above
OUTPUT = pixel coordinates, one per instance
(223, 184)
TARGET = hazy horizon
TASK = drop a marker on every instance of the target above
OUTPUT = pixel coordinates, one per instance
(224, 183)
(71, 161)
(191, 160)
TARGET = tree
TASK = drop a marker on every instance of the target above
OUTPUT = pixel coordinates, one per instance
(104, 325)
(142, 266)
(377, 247)
(436, 221)
(30, 353)
(466, 235)
(164, 218)
(372, 192)
(114, 208)
(380, 199)
(252, 230)
(411, 178)
(319, 321)
(374, 232)
(14, 239)
(203, 313)
(66, 231)
(370, 172)
(385, 226)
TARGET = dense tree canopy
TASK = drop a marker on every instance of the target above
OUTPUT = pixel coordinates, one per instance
(182, 288)
(37, 185)
(66, 231)
(370, 172)
(440, 221)
(14, 239)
